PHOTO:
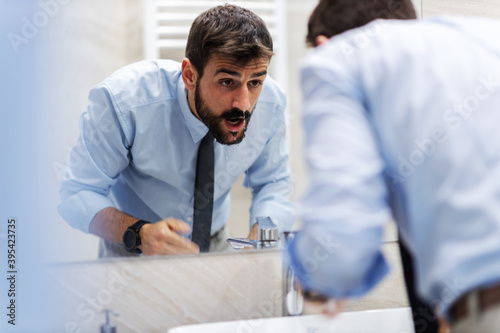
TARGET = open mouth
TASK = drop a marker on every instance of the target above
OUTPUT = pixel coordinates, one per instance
(235, 124)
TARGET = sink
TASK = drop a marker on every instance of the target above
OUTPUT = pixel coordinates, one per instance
(397, 320)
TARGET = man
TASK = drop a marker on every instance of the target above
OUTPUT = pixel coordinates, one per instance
(321, 28)
(401, 117)
(146, 175)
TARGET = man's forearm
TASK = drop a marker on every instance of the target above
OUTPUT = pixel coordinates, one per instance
(161, 237)
(110, 224)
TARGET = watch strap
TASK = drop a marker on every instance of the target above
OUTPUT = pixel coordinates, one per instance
(136, 227)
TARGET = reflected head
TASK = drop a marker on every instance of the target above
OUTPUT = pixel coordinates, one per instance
(230, 32)
(333, 17)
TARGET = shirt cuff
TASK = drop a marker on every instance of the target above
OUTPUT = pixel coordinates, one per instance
(79, 209)
(312, 278)
(282, 215)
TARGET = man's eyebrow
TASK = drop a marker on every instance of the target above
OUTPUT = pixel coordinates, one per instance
(227, 71)
(259, 74)
(234, 73)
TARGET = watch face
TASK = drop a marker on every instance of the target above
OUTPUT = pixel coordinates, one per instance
(129, 240)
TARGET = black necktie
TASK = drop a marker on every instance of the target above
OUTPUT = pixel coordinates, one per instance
(204, 193)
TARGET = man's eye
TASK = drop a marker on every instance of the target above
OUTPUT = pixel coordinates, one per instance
(226, 82)
(255, 84)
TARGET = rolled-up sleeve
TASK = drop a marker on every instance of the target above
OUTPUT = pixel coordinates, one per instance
(337, 253)
(96, 160)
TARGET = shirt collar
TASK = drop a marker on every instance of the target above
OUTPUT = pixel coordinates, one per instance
(197, 129)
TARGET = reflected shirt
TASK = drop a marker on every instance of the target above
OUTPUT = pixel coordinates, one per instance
(137, 152)
(402, 118)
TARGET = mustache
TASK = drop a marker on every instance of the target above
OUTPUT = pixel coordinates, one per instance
(236, 113)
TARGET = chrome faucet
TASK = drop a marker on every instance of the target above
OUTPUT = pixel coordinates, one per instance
(293, 301)
(267, 236)
(108, 327)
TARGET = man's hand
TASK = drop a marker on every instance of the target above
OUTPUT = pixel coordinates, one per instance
(253, 232)
(163, 238)
(157, 238)
(317, 304)
(444, 327)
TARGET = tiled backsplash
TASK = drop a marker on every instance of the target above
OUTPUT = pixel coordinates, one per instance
(154, 294)
(157, 293)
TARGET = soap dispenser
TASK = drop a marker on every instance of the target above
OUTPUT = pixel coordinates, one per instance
(107, 327)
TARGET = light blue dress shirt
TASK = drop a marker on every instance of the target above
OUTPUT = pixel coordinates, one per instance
(138, 145)
(402, 117)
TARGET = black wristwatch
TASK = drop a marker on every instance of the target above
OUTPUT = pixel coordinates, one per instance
(131, 239)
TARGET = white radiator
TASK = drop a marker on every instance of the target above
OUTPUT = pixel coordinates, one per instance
(167, 24)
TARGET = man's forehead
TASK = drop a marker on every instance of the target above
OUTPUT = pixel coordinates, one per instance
(255, 65)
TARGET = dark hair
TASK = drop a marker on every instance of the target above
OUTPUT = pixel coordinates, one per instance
(229, 31)
(333, 17)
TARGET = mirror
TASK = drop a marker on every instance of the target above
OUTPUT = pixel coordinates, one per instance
(82, 43)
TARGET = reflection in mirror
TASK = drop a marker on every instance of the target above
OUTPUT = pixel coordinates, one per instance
(141, 149)
(89, 40)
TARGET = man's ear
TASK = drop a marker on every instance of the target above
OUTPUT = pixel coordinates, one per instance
(321, 39)
(189, 74)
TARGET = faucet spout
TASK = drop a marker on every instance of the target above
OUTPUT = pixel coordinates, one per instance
(267, 236)
(293, 301)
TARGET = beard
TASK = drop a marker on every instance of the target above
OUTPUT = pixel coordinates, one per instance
(216, 123)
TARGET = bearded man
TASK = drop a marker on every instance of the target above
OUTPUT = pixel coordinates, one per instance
(162, 143)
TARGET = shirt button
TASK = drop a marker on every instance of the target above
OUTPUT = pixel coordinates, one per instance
(189, 218)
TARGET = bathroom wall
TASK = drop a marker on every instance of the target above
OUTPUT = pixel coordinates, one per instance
(483, 8)
(83, 43)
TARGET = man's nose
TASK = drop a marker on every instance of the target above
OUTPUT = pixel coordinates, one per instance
(241, 100)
